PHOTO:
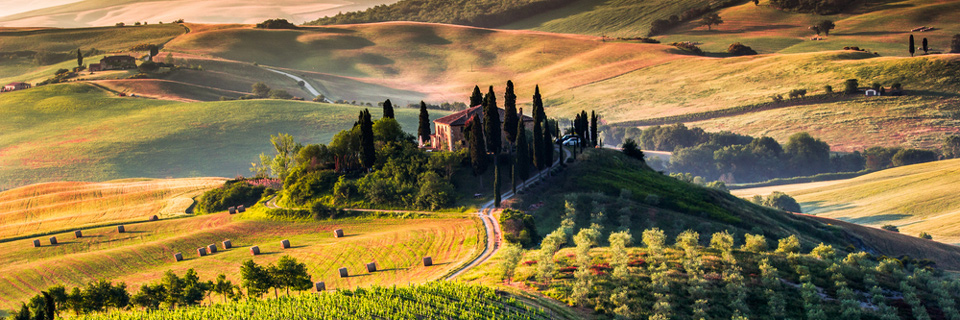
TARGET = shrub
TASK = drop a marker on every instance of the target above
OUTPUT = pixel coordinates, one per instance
(925, 235)
(688, 47)
(851, 86)
(828, 88)
(890, 227)
(280, 94)
(755, 243)
(300, 188)
(738, 49)
(824, 252)
(797, 93)
(913, 156)
(789, 244)
(276, 24)
(231, 194)
(148, 66)
(435, 191)
(518, 227)
(782, 201)
(631, 150)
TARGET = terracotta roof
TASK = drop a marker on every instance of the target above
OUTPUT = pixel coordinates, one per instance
(15, 84)
(461, 118)
(118, 58)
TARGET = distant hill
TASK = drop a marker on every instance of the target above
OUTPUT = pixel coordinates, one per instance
(87, 13)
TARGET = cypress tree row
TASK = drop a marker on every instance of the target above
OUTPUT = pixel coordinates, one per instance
(523, 152)
(478, 153)
(388, 109)
(423, 131)
(585, 129)
(510, 117)
(368, 154)
(538, 154)
(476, 98)
(491, 123)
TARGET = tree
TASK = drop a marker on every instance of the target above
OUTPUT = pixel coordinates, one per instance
(491, 123)
(261, 90)
(476, 98)
(738, 49)
(913, 47)
(547, 144)
(154, 51)
(290, 274)
(825, 26)
(955, 44)
(789, 244)
(148, 66)
(523, 152)
(710, 20)
(851, 86)
(807, 155)
(510, 117)
(388, 109)
(256, 279)
(538, 150)
(496, 182)
(368, 152)
(79, 58)
(223, 287)
(923, 44)
(423, 131)
(756, 2)
(630, 149)
(594, 118)
(276, 94)
(512, 253)
(478, 154)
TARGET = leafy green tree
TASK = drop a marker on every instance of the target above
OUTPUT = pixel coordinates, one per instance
(150, 296)
(789, 244)
(423, 131)
(261, 90)
(824, 252)
(491, 123)
(24, 313)
(476, 99)
(630, 149)
(368, 153)
(851, 86)
(584, 240)
(906, 157)
(510, 118)
(782, 201)
(511, 253)
(256, 279)
(388, 109)
(825, 26)
(755, 243)
(290, 274)
(951, 146)
(279, 94)
(925, 235)
(807, 155)
(710, 20)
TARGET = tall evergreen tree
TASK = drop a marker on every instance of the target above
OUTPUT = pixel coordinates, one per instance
(423, 131)
(513, 174)
(388, 109)
(538, 104)
(547, 143)
(510, 117)
(368, 151)
(476, 98)
(523, 152)
(478, 152)
(913, 47)
(539, 159)
(593, 128)
(79, 58)
(923, 44)
(491, 123)
(496, 182)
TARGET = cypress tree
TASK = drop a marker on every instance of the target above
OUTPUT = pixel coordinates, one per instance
(585, 128)
(593, 127)
(513, 175)
(510, 117)
(491, 123)
(476, 98)
(423, 131)
(79, 58)
(523, 152)
(388, 109)
(539, 158)
(496, 182)
(478, 153)
(547, 143)
(368, 154)
(538, 104)
(923, 44)
(913, 47)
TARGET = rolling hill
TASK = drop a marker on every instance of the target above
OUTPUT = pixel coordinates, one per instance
(78, 132)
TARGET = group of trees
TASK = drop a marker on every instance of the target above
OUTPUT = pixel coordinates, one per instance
(822, 7)
(824, 27)
(172, 291)
(479, 13)
(276, 24)
(231, 194)
(261, 90)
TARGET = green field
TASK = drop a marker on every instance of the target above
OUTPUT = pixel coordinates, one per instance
(77, 132)
(613, 18)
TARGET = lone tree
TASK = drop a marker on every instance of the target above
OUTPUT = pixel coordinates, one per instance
(388, 109)
(710, 20)
(955, 44)
(851, 86)
(523, 152)
(476, 98)
(491, 122)
(510, 117)
(594, 118)
(913, 47)
(423, 131)
(79, 58)
(261, 90)
(825, 26)
(923, 44)
(368, 151)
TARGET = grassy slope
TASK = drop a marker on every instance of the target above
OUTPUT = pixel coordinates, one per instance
(613, 18)
(917, 198)
(80, 133)
(56, 207)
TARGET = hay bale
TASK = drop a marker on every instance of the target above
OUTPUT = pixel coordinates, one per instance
(241, 209)
(202, 251)
(285, 244)
(36, 243)
(53, 241)
(178, 257)
(343, 273)
(232, 210)
(227, 244)
(321, 287)
(212, 248)
(78, 234)
(338, 233)
(372, 267)
(121, 229)
(427, 261)
(154, 218)
(254, 250)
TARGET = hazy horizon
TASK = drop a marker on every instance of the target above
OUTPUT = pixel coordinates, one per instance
(11, 7)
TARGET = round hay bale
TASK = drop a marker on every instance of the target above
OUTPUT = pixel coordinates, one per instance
(212, 248)
(241, 209)
(53, 241)
(232, 210)
(178, 257)
(154, 218)
(36, 243)
(427, 261)
(343, 273)
(254, 250)
(227, 244)
(285, 244)
(321, 287)
(78, 234)
(202, 251)
(372, 267)
(121, 229)
(338, 233)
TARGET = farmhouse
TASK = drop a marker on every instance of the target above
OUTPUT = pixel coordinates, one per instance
(118, 63)
(16, 86)
(449, 129)
(95, 67)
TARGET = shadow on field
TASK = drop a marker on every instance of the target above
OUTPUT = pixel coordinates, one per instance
(771, 27)
(392, 269)
(817, 207)
(876, 218)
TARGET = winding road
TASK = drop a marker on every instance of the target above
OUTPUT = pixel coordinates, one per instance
(306, 84)
(492, 226)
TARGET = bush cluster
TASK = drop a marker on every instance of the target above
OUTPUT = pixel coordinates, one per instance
(233, 193)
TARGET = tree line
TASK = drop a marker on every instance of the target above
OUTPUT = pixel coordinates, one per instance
(170, 292)
(478, 13)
